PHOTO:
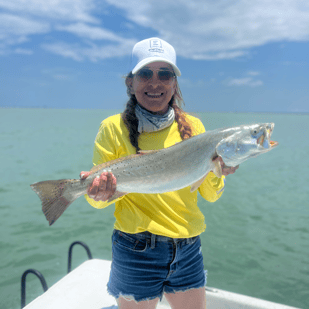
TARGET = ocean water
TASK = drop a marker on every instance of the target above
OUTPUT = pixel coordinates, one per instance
(257, 237)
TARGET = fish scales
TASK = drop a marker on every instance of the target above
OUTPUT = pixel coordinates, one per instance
(163, 171)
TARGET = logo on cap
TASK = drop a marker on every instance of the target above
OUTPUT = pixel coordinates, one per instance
(156, 46)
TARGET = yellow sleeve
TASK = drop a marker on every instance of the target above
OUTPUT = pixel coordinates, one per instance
(212, 187)
(105, 149)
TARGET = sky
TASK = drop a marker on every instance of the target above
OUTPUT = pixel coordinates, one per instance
(235, 56)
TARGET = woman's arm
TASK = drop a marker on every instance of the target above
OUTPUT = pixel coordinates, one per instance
(104, 186)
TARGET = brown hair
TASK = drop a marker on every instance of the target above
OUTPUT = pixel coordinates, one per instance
(131, 120)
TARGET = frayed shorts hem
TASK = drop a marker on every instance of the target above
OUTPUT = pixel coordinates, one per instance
(160, 296)
(133, 297)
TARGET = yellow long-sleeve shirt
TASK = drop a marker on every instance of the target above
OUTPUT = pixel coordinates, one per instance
(173, 214)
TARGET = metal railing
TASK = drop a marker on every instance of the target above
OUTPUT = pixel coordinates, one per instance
(70, 252)
(41, 277)
(23, 284)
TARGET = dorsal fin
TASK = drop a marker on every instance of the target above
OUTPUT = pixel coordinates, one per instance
(143, 152)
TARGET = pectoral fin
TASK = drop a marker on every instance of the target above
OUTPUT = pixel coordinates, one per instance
(217, 169)
(116, 195)
(197, 184)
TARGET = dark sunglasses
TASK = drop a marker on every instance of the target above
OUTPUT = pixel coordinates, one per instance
(145, 75)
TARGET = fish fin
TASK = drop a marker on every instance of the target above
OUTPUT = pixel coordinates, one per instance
(50, 193)
(217, 169)
(116, 195)
(143, 152)
(98, 167)
(197, 184)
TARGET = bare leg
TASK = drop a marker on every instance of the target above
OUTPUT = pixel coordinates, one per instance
(131, 304)
(193, 299)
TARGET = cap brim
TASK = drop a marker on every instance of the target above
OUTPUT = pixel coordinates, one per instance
(152, 60)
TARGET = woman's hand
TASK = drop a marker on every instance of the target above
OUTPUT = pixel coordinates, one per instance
(226, 170)
(102, 188)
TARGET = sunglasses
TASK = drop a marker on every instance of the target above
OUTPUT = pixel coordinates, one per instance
(165, 76)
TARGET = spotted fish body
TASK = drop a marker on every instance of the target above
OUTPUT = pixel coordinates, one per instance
(184, 164)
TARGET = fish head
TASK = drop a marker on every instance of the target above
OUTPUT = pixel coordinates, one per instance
(246, 142)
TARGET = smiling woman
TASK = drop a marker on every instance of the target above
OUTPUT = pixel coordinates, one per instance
(152, 84)
(156, 243)
(153, 87)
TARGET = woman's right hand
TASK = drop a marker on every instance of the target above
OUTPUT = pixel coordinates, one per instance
(103, 187)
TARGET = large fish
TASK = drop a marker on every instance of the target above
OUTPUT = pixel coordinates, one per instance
(157, 171)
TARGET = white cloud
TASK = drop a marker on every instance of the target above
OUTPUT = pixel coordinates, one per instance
(222, 29)
(23, 51)
(12, 26)
(95, 53)
(64, 49)
(246, 81)
(92, 52)
(215, 55)
(198, 29)
(55, 9)
(90, 32)
(15, 30)
(25, 18)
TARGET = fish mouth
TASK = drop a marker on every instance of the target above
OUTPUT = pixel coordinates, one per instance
(273, 144)
(264, 140)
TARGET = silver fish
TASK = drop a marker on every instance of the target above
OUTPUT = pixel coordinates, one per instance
(157, 171)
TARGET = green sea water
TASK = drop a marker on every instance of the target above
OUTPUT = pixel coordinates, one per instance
(257, 237)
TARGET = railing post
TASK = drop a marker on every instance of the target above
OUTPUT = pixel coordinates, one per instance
(23, 284)
(70, 252)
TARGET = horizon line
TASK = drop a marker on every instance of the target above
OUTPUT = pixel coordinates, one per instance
(206, 111)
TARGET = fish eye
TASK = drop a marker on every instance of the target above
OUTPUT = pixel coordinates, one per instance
(255, 131)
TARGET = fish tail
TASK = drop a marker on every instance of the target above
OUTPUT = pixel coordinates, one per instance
(54, 203)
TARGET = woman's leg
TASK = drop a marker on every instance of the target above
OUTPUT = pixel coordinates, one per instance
(131, 304)
(193, 299)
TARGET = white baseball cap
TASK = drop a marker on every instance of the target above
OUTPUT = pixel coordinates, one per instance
(153, 50)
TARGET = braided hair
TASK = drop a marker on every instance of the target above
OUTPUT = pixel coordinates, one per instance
(131, 121)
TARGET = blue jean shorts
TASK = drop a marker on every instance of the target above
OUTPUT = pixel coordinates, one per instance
(145, 266)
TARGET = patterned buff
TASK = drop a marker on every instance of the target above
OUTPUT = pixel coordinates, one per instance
(148, 122)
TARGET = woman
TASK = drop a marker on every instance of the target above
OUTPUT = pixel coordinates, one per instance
(156, 243)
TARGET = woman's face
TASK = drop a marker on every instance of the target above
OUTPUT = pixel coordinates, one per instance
(154, 94)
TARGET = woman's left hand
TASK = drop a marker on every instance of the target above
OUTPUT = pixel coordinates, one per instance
(226, 170)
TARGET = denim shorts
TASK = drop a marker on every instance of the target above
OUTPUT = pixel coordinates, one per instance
(145, 266)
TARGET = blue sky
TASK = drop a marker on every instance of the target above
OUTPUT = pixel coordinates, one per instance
(234, 56)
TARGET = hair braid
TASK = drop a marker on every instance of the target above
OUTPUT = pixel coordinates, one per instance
(176, 102)
(131, 121)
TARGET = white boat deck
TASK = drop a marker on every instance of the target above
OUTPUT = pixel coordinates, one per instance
(85, 288)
